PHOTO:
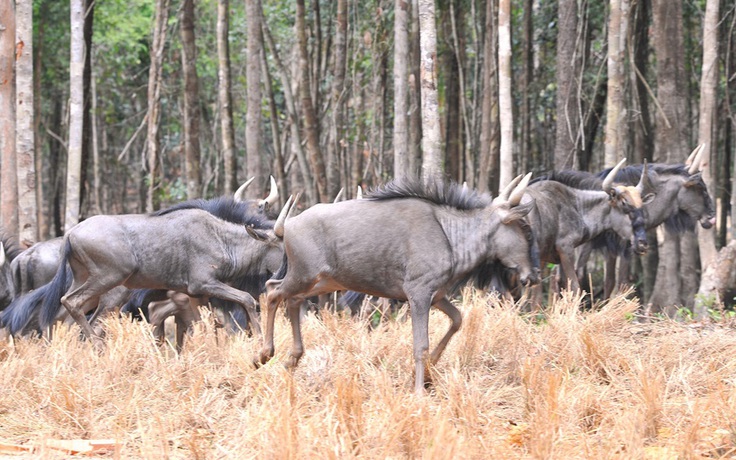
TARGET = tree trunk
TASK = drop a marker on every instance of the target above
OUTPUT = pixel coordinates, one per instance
(8, 174)
(615, 108)
(568, 123)
(76, 114)
(431, 138)
(311, 124)
(488, 161)
(670, 140)
(718, 279)
(706, 125)
(154, 101)
(401, 90)
(279, 167)
(415, 97)
(527, 58)
(506, 170)
(253, 134)
(224, 97)
(192, 114)
(24, 141)
(336, 140)
(41, 200)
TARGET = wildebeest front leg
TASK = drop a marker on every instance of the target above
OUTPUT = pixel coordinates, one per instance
(420, 333)
(568, 268)
(77, 306)
(229, 293)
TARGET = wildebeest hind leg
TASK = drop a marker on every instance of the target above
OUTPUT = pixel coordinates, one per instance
(293, 306)
(420, 333)
(273, 299)
(77, 303)
(457, 320)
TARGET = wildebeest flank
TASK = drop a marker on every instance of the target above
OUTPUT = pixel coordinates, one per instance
(407, 241)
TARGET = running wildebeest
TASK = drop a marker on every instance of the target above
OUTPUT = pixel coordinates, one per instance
(564, 217)
(196, 247)
(407, 241)
(680, 202)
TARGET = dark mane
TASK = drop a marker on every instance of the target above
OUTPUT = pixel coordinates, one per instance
(224, 208)
(12, 250)
(435, 191)
(582, 180)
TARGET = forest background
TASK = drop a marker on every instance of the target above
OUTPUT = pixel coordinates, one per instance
(126, 106)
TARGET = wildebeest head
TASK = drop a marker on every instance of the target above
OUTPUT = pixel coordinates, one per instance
(694, 198)
(266, 205)
(629, 201)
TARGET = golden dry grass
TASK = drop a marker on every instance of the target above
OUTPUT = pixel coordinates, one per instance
(591, 385)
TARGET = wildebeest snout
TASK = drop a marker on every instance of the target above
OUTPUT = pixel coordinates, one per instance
(708, 222)
(641, 246)
(532, 278)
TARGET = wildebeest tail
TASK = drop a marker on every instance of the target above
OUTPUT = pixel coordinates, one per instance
(351, 299)
(56, 288)
(22, 310)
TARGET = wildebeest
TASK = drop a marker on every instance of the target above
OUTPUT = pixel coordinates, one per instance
(680, 202)
(409, 241)
(564, 217)
(195, 247)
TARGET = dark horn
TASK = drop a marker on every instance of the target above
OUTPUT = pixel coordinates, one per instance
(239, 194)
(608, 181)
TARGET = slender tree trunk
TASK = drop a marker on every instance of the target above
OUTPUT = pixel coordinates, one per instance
(311, 124)
(89, 15)
(431, 138)
(192, 113)
(224, 97)
(279, 166)
(96, 166)
(43, 221)
(24, 141)
(506, 170)
(527, 56)
(449, 68)
(489, 134)
(76, 114)
(8, 174)
(415, 98)
(670, 137)
(337, 130)
(706, 124)
(615, 108)
(401, 90)
(154, 101)
(310, 191)
(253, 134)
(568, 123)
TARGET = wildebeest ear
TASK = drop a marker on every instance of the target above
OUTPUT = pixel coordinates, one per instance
(694, 179)
(518, 212)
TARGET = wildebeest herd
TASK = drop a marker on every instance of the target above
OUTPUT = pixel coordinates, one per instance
(409, 240)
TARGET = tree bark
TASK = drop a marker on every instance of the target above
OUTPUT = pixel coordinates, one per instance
(401, 90)
(706, 125)
(253, 134)
(431, 138)
(192, 113)
(224, 97)
(8, 174)
(568, 122)
(488, 161)
(506, 170)
(527, 74)
(311, 124)
(615, 108)
(24, 143)
(76, 113)
(335, 145)
(154, 101)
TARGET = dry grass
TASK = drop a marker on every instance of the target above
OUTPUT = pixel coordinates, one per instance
(575, 385)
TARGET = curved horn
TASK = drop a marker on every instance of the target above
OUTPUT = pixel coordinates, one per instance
(515, 197)
(504, 195)
(608, 181)
(239, 194)
(2, 254)
(273, 195)
(692, 155)
(278, 227)
(359, 196)
(645, 183)
(697, 158)
(338, 197)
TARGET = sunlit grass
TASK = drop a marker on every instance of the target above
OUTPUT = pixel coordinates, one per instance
(570, 384)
